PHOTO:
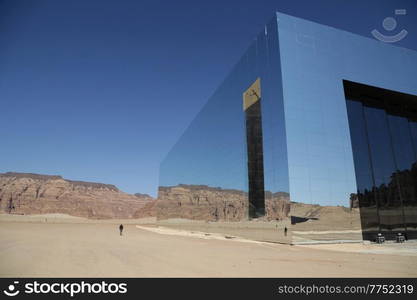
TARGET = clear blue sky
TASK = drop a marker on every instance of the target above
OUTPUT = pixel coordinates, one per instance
(100, 90)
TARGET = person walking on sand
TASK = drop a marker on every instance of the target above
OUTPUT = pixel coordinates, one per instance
(121, 229)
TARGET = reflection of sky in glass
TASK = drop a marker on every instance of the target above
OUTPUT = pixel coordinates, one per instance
(402, 142)
(360, 146)
(212, 151)
(380, 145)
(413, 130)
(315, 59)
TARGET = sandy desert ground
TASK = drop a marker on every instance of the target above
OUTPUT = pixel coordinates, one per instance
(63, 246)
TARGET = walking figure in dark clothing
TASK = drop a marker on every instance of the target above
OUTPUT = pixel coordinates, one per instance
(121, 229)
(285, 231)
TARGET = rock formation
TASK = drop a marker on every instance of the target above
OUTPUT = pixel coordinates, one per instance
(25, 193)
(201, 202)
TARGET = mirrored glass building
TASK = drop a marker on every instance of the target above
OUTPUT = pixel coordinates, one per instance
(311, 137)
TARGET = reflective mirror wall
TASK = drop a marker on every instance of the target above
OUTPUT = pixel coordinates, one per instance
(310, 138)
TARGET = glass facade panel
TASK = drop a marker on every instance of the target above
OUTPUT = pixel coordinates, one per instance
(410, 203)
(384, 127)
(230, 165)
(364, 198)
(404, 159)
(383, 164)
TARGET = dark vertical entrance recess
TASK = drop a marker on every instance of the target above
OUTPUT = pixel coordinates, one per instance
(383, 131)
(254, 142)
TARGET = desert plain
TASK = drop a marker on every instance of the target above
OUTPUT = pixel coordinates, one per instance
(57, 245)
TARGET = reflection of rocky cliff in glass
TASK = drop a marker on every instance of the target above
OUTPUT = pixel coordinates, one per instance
(280, 151)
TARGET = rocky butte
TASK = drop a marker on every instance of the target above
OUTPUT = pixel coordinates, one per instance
(26, 193)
